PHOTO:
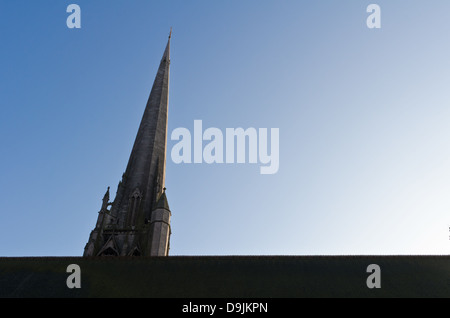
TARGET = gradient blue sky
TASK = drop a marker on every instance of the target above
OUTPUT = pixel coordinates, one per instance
(363, 116)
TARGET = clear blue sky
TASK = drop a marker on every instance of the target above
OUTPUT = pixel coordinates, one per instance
(363, 116)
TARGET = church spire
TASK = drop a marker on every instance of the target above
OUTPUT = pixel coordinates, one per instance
(148, 157)
(144, 178)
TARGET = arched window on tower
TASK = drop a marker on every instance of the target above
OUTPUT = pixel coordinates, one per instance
(135, 201)
(109, 252)
(135, 252)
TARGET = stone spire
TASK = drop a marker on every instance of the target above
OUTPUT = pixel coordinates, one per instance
(142, 183)
(145, 171)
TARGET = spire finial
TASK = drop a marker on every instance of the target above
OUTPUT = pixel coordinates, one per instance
(170, 33)
(105, 200)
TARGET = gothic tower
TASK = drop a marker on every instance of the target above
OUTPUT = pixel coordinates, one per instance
(138, 222)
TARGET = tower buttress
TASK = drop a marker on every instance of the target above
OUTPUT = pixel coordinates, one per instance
(160, 227)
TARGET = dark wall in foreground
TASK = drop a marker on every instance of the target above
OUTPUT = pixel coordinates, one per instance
(227, 276)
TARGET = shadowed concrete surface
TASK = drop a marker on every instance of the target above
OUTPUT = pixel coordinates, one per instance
(226, 276)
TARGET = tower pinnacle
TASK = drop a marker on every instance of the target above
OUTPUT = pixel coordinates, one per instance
(125, 229)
